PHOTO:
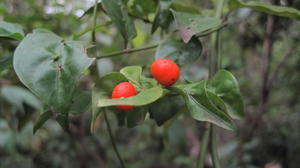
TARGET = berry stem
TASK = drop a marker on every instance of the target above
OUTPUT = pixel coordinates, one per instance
(112, 139)
(127, 51)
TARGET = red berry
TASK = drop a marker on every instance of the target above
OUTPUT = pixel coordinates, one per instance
(165, 71)
(124, 89)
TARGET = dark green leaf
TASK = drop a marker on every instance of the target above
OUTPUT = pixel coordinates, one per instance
(191, 24)
(103, 88)
(11, 30)
(145, 97)
(117, 11)
(182, 53)
(132, 73)
(203, 106)
(164, 109)
(267, 8)
(163, 16)
(226, 87)
(50, 67)
(5, 62)
(184, 8)
(17, 96)
(44, 116)
(81, 101)
(142, 8)
(135, 116)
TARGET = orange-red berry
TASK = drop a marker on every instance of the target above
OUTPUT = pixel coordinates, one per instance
(124, 89)
(165, 71)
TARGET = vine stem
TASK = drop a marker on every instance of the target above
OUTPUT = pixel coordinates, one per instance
(203, 148)
(127, 51)
(215, 63)
(94, 21)
(112, 139)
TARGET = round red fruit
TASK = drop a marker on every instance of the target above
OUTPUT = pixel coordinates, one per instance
(122, 90)
(165, 71)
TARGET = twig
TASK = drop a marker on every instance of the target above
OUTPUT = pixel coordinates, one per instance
(127, 51)
(112, 139)
(203, 148)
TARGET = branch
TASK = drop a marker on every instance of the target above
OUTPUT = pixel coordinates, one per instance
(127, 51)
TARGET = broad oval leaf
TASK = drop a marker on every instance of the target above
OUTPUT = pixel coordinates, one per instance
(201, 107)
(145, 97)
(225, 85)
(182, 53)
(132, 73)
(50, 67)
(267, 8)
(116, 9)
(191, 24)
(11, 30)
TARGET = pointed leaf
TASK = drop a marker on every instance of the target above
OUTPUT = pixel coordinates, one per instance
(45, 116)
(163, 16)
(267, 8)
(132, 73)
(11, 30)
(116, 9)
(182, 53)
(191, 24)
(225, 85)
(50, 67)
(145, 97)
(202, 105)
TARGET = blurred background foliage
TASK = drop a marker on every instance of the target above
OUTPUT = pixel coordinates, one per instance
(269, 137)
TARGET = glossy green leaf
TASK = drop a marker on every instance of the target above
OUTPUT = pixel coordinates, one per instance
(164, 109)
(11, 30)
(225, 85)
(117, 11)
(44, 116)
(192, 24)
(50, 67)
(266, 8)
(5, 62)
(17, 96)
(182, 53)
(203, 106)
(132, 73)
(145, 97)
(163, 16)
(184, 8)
(103, 88)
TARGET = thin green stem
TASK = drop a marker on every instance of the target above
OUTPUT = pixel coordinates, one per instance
(203, 148)
(94, 21)
(214, 148)
(113, 140)
(215, 63)
(127, 51)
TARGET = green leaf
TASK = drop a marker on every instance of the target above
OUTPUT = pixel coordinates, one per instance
(103, 88)
(225, 85)
(203, 106)
(132, 73)
(11, 30)
(142, 8)
(50, 67)
(182, 53)
(17, 96)
(44, 116)
(184, 8)
(5, 62)
(145, 97)
(266, 8)
(163, 16)
(192, 24)
(117, 11)
(135, 116)
(148, 82)
(81, 101)
(164, 109)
